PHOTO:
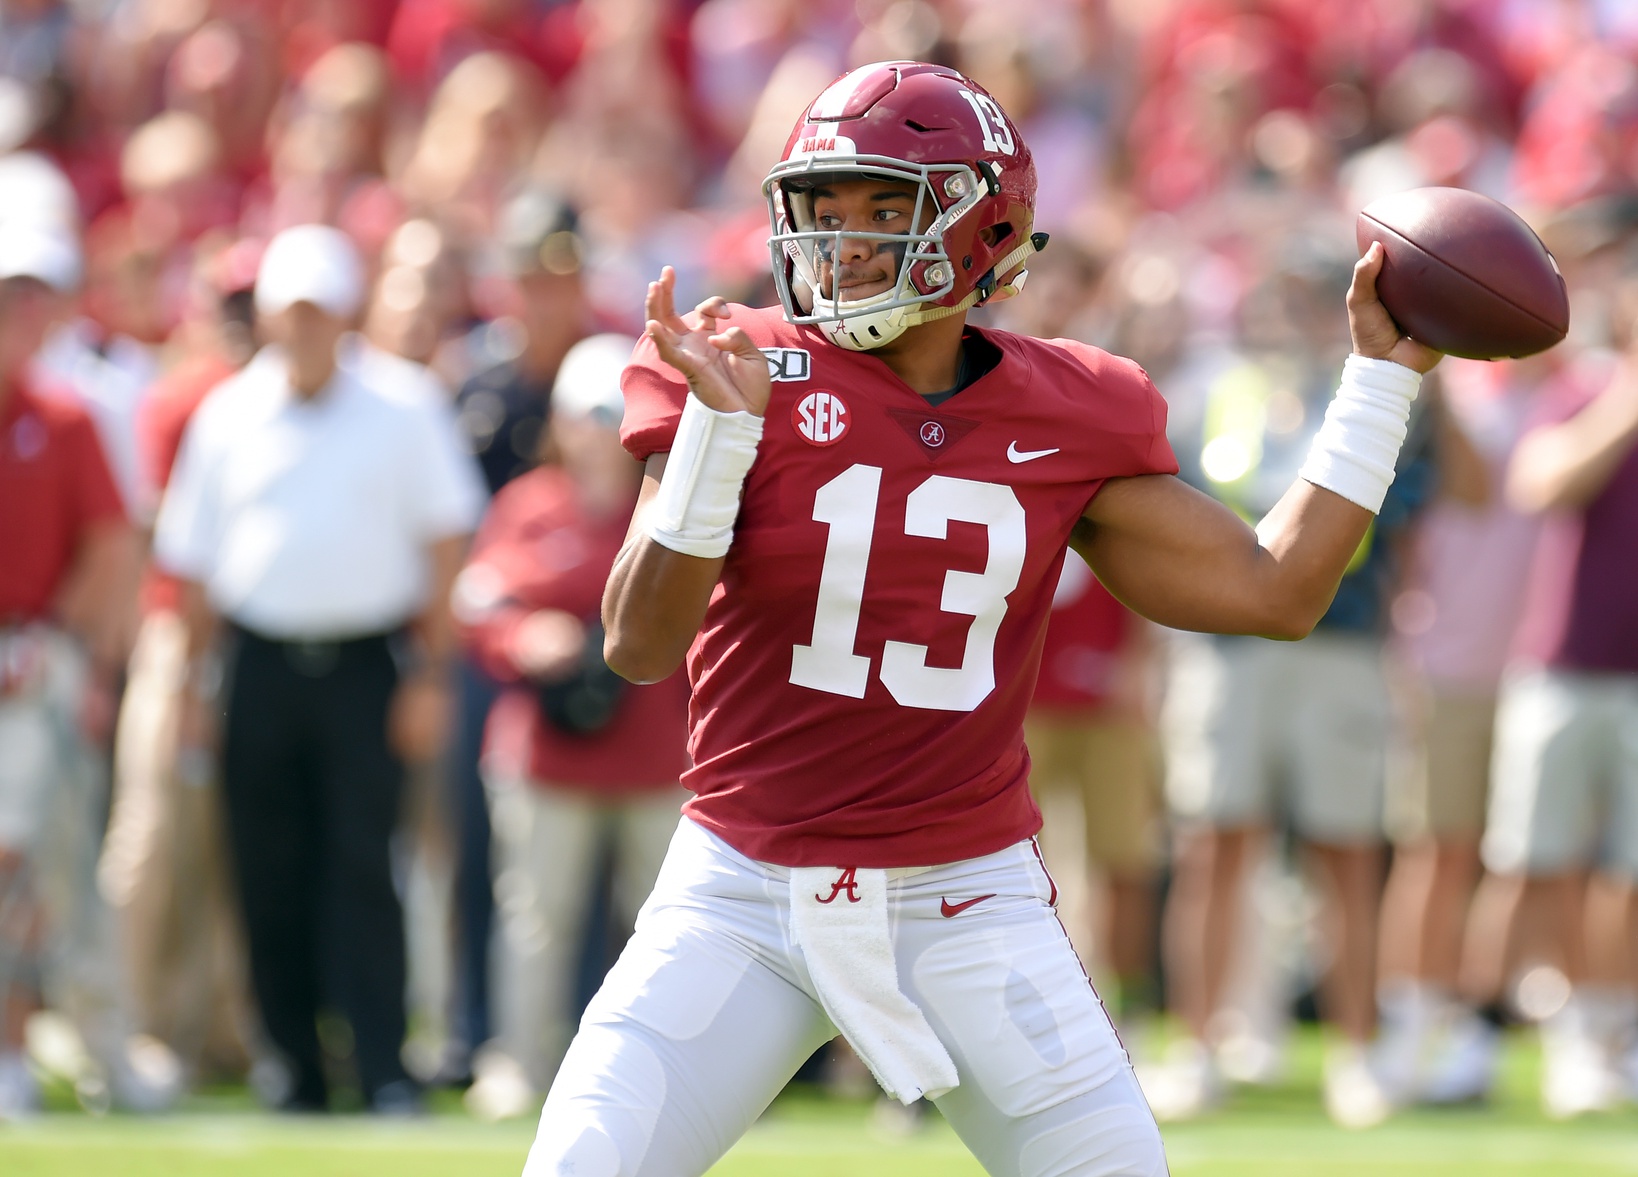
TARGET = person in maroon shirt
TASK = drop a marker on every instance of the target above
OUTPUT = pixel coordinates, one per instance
(573, 757)
(1563, 817)
(67, 549)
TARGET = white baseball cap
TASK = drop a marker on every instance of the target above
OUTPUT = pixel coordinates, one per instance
(32, 188)
(45, 250)
(311, 263)
(588, 380)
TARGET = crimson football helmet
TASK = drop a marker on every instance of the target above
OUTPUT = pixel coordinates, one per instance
(929, 126)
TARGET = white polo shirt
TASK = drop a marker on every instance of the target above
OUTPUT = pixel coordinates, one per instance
(311, 519)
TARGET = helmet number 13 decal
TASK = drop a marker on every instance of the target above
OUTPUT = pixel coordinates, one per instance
(997, 135)
(847, 503)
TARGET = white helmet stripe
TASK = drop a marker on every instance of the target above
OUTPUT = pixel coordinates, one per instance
(834, 99)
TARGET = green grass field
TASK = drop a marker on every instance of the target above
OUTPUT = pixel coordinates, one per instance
(1275, 1132)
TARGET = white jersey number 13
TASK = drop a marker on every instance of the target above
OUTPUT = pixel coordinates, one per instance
(848, 504)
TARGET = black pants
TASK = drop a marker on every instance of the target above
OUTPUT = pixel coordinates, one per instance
(474, 887)
(312, 801)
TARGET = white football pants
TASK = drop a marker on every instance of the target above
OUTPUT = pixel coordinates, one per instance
(709, 1012)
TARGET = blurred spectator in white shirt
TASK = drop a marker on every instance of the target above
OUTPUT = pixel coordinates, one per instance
(319, 521)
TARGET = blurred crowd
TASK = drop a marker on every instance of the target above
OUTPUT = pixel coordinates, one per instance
(311, 322)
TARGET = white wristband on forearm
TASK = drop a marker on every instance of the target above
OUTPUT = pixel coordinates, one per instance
(699, 492)
(1358, 445)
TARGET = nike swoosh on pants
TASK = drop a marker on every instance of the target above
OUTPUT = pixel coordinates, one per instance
(948, 909)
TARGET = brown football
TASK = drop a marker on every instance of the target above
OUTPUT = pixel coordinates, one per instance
(1465, 275)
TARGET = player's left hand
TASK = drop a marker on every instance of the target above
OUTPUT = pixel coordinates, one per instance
(724, 369)
(1375, 333)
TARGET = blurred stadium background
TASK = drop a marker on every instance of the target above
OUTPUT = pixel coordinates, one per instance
(1200, 165)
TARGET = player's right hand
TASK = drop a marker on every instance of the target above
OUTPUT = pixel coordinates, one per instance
(724, 369)
(1375, 333)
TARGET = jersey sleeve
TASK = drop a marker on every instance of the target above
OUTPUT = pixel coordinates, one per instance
(1157, 456)
(654, 392)
(1126, 409)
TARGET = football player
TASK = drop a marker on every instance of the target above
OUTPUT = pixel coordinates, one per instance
(853, 518)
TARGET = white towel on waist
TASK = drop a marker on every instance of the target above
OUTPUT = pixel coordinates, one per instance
(839, 920)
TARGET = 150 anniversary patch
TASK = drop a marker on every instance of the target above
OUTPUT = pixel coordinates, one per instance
(788, 363)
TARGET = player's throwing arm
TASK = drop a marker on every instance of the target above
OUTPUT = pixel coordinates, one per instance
(1186, 561)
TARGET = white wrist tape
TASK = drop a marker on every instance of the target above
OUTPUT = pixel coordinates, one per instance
(699, 492)
(1357, 446)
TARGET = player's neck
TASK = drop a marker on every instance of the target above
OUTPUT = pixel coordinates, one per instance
(928, 357)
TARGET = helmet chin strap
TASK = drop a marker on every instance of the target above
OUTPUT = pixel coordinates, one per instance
(1030, 246)
(854, 331)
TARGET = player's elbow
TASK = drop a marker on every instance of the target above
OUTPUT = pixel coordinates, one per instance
(1289, 629)
(637, 660)
(1292, 616)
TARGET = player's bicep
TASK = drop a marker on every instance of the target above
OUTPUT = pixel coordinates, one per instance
(1177, 556)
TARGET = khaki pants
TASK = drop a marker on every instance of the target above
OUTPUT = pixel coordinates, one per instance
(1440, 777)
(1259, 731)
(163, 869)
(1565, 774)
(546, 845)
(1107, 768)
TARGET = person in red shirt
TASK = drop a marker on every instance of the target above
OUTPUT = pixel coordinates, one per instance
(66, 544)
(855, 510)
(573, 756)
(1094, 764)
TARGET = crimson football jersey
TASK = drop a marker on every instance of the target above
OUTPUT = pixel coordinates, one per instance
(862, 674)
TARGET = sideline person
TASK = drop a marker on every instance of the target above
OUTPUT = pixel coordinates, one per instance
(575, 758)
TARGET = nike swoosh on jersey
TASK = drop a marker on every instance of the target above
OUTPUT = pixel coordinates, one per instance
(948, 909)
(1014, 454)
